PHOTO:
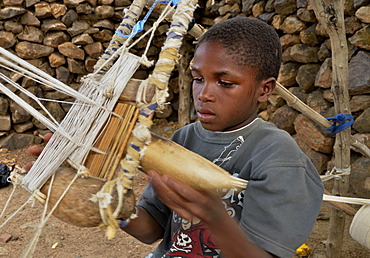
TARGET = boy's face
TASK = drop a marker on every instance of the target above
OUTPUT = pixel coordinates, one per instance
(226, 95)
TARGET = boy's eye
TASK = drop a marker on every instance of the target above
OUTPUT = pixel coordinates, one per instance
(198, 79)
(226, 84)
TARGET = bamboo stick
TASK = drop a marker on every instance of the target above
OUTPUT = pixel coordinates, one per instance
(331, 15)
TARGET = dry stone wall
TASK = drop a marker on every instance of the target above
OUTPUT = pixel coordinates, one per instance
(66, 37)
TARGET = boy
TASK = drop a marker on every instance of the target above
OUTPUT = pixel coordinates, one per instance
(235, 67)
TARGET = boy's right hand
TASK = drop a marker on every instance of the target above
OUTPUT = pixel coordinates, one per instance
(36, 150)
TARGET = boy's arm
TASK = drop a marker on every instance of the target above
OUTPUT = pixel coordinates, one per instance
(144, 228)
(188, 203)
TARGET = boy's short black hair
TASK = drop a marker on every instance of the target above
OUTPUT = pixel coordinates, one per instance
(252, 42)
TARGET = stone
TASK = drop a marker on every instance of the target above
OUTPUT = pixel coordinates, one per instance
(4, 105)
(56, 60)
(105, 2)
(303, 53)
(328, 95)
(103, 35)
(359, 179)
(288, 73)
(106, 24)
(306, 15)
(62, 74)
(321, 31)
(285, 7)
(352, 25)
(359, 102)
(363, 14)
(13, 27)
(284, 117)
(316, 138)
(324, 75)
(56, 95)
(361, 38)
(267, 17)
(43, 10)
(32, 34)
(7, 39)
(28, 50)
(52, 24)
(10, 12)
(319, 160)
(21, 128)
(289, 40)
(317, 102)
(298, 93)
(95, 50)
(70, 50)
(58, 10)
(70, 17)
(292, 25)
(13, 2)
(83, 39)
(104, 11)
(84, 8)
(306, 77)
(73, 3)
(89, 64)
(75, 66)
(5, 123)
(55, 110)
(121, 3)
(323, 53)
(31, 2)
(286, 56)
(18, 114)
(308, 36)
(362, 122)
(358, 74)
(258, 9)
(30, 19)
(363, 138)
(78, 27)
(55, 38)
(18, 141)
(277, 21)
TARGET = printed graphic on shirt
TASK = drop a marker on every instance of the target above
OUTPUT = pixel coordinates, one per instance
(228, 151)
(193, 239)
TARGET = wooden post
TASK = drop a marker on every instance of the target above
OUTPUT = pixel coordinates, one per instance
(331, 15)
(185, 80)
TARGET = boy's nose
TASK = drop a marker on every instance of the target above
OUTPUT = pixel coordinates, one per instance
(206, 93)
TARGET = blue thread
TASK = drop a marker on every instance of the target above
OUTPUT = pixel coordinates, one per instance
(123, 223)
(135, 147)
(139, 26)
(341, 122)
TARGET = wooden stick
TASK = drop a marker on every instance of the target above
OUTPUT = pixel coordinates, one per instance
(331, 15)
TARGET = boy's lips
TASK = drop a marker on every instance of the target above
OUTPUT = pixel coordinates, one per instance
(205, 115)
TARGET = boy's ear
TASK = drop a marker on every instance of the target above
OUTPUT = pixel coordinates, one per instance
(266, 87)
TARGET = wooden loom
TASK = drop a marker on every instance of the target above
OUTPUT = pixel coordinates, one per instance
(112, 140)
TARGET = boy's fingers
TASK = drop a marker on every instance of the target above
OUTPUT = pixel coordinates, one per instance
(28, 166)
(47, 137)
(34, 150)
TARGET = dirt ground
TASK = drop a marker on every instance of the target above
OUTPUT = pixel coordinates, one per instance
(60, 239)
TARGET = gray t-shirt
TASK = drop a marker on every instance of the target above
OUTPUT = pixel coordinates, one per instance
(277, 210)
